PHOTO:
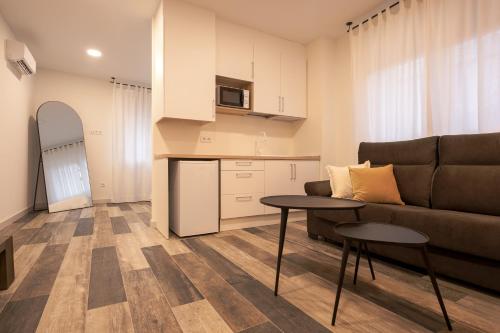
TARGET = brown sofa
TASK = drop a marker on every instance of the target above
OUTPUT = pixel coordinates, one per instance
(451, 187)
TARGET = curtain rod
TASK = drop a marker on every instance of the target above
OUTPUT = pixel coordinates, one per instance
(348, 24)
(113, 80)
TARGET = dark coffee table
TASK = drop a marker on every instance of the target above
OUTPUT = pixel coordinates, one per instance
(382, 233)
(286, 202)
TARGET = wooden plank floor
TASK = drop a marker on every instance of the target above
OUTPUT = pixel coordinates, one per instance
(104, 269)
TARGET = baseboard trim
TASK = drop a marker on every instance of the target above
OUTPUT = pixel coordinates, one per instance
(14, 217)
(101, 201)
(258, 221)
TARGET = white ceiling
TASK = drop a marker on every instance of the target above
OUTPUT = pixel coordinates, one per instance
(297, 20)
(59, 31)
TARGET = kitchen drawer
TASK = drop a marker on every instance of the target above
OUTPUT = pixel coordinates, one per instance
(240, 205)
(236, 165)
(233, 182)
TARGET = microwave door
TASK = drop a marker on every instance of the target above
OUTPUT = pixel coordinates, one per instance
(231, 97)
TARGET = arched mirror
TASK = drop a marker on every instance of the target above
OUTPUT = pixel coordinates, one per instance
(64, 158)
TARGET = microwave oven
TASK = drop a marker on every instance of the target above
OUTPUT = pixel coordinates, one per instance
(233, 97)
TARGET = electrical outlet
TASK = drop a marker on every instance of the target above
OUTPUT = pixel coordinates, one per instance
(206, 137)
(102, 185)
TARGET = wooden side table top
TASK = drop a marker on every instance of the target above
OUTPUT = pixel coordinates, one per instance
(310, 202)
(381, 233)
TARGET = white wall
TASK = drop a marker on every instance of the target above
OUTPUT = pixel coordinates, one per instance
(18, 134)
(92, 100)
(341, 149)
(231, 135)
(328, 129)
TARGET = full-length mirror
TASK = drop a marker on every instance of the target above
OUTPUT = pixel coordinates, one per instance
(64, 159)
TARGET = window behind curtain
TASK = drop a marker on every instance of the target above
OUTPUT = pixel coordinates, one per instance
(427, 67)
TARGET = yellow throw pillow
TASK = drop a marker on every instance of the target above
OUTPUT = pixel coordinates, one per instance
(376, 185)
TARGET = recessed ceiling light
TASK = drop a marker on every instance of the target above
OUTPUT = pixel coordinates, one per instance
(94, 53)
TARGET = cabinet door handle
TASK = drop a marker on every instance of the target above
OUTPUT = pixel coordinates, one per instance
(244, 163)
(282, 104)
(294, 171)
(244, 175)
(291, 171)
(253, 70)
(244, 198)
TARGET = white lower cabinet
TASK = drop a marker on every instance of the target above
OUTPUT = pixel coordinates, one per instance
(243, 183)
(288, 177)
(241, 205)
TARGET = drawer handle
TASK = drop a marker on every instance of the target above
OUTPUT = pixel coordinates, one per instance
(247, 163)
(244, 175)
(244, 198)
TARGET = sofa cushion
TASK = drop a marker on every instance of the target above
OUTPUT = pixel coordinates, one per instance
(473, 188)
(371, 212)
(414, 164)
(468, 176)
(470, 149)
(473, 234)
(377, 185)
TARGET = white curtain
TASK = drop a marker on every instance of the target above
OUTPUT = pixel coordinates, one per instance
(427, 67)
(66, 173)
(131, 144)
(464, 65)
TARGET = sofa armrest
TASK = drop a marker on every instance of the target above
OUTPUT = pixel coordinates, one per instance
(321, 188)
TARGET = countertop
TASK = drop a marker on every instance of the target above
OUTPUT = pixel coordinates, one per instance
(238, 157)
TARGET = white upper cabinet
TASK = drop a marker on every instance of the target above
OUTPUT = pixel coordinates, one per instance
(293, 80)
(189, 65)
(267, 75)
(234, 51)
(280, 78)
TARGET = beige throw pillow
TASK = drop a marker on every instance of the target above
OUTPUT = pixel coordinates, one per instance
(340, 180)
(376, 185)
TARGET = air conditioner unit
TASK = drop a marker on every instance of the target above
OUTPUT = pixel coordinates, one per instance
(19, 54)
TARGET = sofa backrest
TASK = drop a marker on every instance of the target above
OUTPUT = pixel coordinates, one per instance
(468, 176)
(414, 165)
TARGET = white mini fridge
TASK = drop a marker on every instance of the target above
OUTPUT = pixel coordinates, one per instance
(194, 197)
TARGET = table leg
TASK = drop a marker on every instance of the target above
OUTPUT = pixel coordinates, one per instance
(357, 263)
(345, 255)
(356, 212)
(435, 285)
(284, 218)
(369, 260)
(7, 264)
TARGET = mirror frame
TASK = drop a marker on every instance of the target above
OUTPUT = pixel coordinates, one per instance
(42, 167)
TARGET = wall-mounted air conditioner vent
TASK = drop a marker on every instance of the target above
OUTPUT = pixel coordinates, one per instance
(19, 54)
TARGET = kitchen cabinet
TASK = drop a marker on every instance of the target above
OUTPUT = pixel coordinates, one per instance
(267, 75)
(280, 78)
(189, 62)
(242, 186)
(244, 182)
(293, 80)
(234, 45)
(288, 177)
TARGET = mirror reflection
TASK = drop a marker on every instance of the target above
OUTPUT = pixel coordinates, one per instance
(64, 159)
